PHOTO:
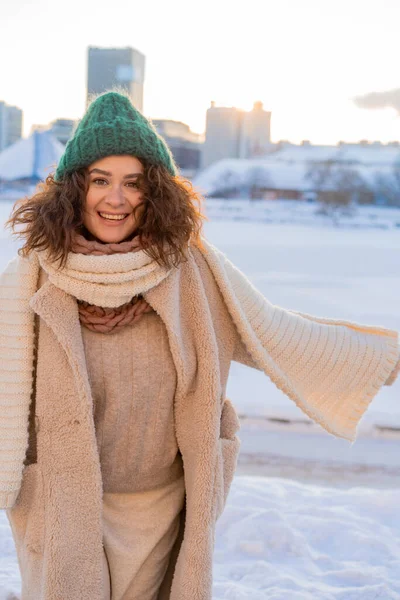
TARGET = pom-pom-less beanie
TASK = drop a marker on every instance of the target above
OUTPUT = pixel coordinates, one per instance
(112, 125)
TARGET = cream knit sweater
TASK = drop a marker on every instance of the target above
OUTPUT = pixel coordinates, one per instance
(332, 369)
(133, 382)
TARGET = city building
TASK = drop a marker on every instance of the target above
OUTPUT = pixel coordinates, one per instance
(10, 125)
(255, 138)
(63, 129)
(116, 67)
(185, 145)
(234, 133)
(222, 140)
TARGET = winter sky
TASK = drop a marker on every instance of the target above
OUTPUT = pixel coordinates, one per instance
(306, 60)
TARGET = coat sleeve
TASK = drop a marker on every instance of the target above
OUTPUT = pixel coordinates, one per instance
(331, 368)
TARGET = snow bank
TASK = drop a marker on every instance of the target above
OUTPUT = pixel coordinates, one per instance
(35, 156)
(282, 540)
(287, 168)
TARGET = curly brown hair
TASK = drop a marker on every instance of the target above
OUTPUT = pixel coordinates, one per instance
(170, 215)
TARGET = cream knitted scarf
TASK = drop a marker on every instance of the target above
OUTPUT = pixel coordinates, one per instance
(331, 369)
(99, 318)
(109, 280)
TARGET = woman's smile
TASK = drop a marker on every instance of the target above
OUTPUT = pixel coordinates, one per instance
(113, 219)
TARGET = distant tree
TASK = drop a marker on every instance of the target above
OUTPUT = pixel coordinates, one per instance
(257, 180)
(228, 184)
(388, 186)
(339, 188)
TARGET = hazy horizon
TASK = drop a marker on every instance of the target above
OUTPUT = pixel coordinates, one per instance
(326, 70)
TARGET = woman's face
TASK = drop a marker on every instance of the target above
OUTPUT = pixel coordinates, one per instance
(112, 195)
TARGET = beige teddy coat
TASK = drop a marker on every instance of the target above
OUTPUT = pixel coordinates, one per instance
(56, 520)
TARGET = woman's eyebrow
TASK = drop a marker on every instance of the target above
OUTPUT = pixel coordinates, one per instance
(108, 174)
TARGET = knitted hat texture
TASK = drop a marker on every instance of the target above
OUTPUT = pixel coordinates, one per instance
(112, 125)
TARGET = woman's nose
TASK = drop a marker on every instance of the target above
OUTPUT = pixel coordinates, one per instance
(115, 196)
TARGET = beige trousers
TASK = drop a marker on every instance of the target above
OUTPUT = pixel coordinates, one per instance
(139, 531)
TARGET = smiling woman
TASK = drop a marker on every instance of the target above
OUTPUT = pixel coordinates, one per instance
(119, 322)
(111, 200)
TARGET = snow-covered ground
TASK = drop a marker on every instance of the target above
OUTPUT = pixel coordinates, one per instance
(304, 532)
(282, 540)
(294, 212)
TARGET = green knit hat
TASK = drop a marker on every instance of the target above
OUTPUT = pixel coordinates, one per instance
(112, 125)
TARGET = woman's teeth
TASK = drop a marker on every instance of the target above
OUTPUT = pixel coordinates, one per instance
(113, 217)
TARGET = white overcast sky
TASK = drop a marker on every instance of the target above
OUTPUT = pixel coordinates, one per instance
(305, 59)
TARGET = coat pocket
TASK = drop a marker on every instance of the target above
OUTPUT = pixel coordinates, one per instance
(27, 517)
(228, 451)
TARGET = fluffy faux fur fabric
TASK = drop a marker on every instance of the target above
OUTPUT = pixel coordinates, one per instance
(213, 315)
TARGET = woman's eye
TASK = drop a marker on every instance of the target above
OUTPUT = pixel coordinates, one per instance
(103, 181)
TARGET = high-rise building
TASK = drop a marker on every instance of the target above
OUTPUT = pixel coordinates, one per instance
(111, 67)
(223, 128)
(234, 133)
(256, 132)
(3, 125)
(10, 125)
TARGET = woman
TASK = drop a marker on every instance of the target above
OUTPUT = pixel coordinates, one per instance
(119, 324)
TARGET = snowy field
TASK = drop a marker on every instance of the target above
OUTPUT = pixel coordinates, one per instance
(283, 540)
(314, 526)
